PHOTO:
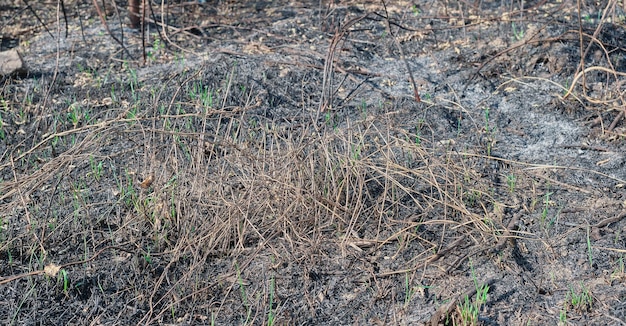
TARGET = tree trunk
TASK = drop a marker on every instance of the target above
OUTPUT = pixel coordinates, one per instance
(134, 14)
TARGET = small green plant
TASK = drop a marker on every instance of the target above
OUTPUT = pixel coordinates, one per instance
(356, 152)
(244, 297)
(546, 206)
(180, 58)
(472, 197)
(66, 280)
(2, 133)
(511, 181)
(133, 81)
(113, 96)
(133, 74)
(517, 33)
(418, 132)
(20, 118)
(77, 197)
(565, 88)
(133, 92)
(55, 141)
(580, 301)
(619, 271)
(331, 120)
(206, 98)
(74, 114)
(194, 90)
(126, 190)
(363, 109)
(28, 99)
(147, 257)
(157, 46)
(409, 291)
(415, 10)
(4, 103)
(96, 168)
(563, 317)
(132, 114)
(52, 224)
(468, 309)
(271, 314)
(468, 312)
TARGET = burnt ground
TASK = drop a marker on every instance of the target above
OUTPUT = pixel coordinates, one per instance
(268, 164)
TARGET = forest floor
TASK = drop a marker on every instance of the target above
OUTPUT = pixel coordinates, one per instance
(271, 164)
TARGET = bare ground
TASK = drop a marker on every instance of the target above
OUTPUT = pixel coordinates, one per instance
(268, 164)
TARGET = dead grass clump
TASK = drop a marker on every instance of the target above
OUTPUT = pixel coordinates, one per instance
(267, 186)
(244, 187)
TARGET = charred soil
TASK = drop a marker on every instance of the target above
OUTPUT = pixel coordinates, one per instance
(269, 163)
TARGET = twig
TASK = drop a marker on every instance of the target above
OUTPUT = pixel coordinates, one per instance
(402, 56)
(327, 92)
(106, 26)
(588, 69)
(595, 35)
(326, 100)
(507, 232)
(38, 19)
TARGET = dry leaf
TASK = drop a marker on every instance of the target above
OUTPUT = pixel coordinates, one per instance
(52, 270)
(147, 182)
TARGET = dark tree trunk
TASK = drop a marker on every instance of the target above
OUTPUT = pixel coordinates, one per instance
(134, 14)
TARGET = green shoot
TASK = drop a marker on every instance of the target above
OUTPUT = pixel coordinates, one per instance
(415, 10)
(244, 297)
(271, 315)
(469, 309)
(546, 205)
(96, 168)
(66, 281)
(589, 249)
(74, 114)
(2, 133)
(510, 181)
(147, 257)
(582, 301)
(518, 34)
(418, 132)
(409, 291)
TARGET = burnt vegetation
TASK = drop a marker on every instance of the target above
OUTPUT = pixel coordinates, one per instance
(313, 163)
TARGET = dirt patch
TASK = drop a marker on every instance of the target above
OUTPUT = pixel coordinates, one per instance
(269, 164)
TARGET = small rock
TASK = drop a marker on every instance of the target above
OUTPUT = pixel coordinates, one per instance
(11, 63)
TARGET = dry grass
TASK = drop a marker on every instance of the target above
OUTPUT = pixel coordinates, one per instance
(222, 183)
(170, 181)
